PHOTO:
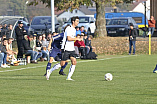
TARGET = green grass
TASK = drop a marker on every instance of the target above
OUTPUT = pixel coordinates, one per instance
(133, 82)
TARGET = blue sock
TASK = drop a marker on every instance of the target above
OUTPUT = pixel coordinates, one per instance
(63, 67)
(48, 66)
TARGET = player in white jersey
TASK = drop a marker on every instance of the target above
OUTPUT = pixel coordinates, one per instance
(68, 50)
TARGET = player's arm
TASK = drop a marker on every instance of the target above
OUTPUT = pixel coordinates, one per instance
(69, 38)
(49, 46)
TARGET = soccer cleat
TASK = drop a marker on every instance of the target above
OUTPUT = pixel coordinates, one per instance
(45, 74)
(155, 71)
(62, 73)
(69, 79)
(48, 74)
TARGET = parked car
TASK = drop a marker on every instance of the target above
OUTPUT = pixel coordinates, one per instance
(120, 26)
(42, 24)
(86, 21)
(107, 20)
(138, 17)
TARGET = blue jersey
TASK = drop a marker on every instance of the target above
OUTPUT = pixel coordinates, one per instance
(57, 39)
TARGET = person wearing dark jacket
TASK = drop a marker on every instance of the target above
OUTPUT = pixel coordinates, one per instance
(89, 47)
(28, 50)
(4, 30)
(132, 38)
(20, 32)
(8, 34)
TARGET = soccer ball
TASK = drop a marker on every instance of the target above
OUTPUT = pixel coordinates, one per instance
(108, 77)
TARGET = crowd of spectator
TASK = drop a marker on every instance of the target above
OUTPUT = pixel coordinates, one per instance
(6, 30)
(83, 48)
(35, 45)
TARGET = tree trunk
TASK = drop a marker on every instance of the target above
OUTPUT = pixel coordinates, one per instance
(100, 20)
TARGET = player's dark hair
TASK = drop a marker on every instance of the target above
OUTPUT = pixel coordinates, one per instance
(74, 18)
(53, 33)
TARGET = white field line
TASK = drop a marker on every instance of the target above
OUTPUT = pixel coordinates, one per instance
(77, 62)
(22, 68)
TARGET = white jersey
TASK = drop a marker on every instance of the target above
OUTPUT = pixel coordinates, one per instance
(69, 45)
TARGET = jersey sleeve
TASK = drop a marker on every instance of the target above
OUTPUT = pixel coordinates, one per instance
(58, 37)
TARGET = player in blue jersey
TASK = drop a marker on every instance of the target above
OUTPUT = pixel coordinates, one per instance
(54, 49)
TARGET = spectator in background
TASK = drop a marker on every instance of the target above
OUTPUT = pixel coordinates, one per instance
(4, 30)
(35, 39)
(151, 25)
(20, 32)
(49, 37)
(12, 53)
(3, 37)
(28, 50)
(0, 30)
(44, 47)
(4, 50)
(44, 41)
(78, 31)
(1, 55)
(81, 46)
(89, 47)
(33, 46)
(10, 28)
(132, 38)
(83, 30)
(76, 47)
(39, 46)
(85, 37)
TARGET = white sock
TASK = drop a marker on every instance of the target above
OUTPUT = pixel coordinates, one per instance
(71, 71)
(56, 66)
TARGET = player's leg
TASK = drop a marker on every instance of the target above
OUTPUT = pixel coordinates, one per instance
(56, 66)
(64, 57)
(63, 65)
(48, 68)
(73, 65)
(49, 63)
(52, 54)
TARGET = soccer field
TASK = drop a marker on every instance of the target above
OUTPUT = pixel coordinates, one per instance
(133, 82)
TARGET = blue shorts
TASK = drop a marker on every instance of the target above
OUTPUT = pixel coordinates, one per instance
(55, 52)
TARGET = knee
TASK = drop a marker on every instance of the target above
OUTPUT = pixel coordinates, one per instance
(62, 63)
(74, 62)
(51, 60)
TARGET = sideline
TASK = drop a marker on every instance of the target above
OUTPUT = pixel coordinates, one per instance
(77, 62)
